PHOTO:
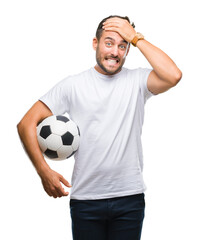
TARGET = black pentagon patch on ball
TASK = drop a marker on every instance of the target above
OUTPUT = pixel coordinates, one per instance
(51, 154)
(67, 138)
(45, 131)
(62, 118)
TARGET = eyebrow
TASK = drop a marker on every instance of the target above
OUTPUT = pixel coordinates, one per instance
(124, 41)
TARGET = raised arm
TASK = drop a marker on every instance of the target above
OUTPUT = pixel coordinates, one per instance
(165, 73)
(27, 132)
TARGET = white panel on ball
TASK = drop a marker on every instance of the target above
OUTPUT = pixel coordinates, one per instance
(64, 152)
(54, 142)
(72, 128)
(48, 120)
(42, 143)
(75, 143)
(58, 127)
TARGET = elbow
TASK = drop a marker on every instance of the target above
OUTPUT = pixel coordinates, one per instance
(20, 128)
(24, 126)
(177, 77)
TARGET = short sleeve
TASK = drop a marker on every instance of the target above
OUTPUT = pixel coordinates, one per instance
(143, 77)
(58, 98)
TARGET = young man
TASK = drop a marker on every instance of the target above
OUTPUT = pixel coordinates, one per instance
(107, 103)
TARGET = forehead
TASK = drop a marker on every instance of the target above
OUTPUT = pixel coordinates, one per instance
(112, 35)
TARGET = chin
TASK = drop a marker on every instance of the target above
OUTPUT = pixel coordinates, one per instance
(109, 71)
(113, 71)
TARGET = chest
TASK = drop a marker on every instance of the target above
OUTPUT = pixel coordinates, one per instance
(93, 96)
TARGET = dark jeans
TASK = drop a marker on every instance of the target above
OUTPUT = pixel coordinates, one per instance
(117, 218)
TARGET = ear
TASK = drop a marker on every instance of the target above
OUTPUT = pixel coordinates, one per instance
(95, 42)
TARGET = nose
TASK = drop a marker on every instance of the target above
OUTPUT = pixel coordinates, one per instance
(114, 50)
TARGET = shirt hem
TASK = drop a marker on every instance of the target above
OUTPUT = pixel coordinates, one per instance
(105, 196)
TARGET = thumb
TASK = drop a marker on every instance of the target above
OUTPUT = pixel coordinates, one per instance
(65, 182)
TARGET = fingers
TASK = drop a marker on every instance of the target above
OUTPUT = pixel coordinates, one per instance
(111, 26)
(121, 26)
(57, 191)
(60, 190)
(52, 183)
(65, 182)
(115, 22)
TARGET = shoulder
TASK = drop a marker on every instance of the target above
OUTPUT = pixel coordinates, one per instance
(140, 76)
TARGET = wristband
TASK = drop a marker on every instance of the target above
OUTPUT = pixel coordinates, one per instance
(138, 36)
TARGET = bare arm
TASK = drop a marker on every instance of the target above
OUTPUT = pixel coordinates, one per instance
(27, 132)
(165, 73)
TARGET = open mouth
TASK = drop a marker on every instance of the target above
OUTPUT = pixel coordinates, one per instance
(112, 61)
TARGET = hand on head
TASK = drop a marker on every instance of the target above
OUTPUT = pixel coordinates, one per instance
(121, 26)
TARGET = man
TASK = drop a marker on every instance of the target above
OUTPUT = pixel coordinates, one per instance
(107, 103)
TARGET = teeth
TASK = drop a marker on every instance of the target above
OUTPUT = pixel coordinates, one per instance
(112, 61)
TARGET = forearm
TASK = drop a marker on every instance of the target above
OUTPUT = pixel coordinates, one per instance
(27, 133)
(161, 63)
(51, 180)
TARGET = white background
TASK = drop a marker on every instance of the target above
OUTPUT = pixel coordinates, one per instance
(43, 41)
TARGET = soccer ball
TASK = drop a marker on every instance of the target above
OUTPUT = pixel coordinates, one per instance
(58, 137)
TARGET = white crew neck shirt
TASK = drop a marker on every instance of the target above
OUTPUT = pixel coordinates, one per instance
(109, 111)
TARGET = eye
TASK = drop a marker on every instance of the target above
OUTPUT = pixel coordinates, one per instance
(108, 44)
(123, 47)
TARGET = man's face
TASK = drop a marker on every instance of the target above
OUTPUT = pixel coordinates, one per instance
(110, 50)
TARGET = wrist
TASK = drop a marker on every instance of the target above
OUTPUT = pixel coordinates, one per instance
(140, 43)
(137, 37)
(42, 169)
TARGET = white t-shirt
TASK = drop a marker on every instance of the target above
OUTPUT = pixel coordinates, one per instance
(109, 111)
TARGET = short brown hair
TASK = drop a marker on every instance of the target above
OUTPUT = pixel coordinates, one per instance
(100, 29)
